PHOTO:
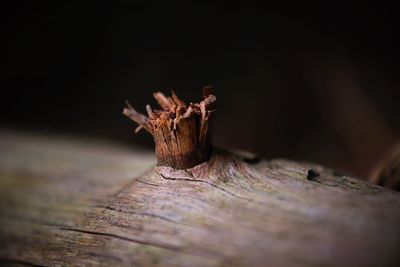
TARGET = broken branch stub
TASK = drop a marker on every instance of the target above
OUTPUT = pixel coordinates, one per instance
(181, 133)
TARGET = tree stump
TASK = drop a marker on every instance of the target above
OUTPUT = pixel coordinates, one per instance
(79, 203)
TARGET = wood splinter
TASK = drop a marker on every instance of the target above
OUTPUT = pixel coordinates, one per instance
(181, 133)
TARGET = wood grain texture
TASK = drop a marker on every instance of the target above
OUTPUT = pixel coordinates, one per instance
(77, 203)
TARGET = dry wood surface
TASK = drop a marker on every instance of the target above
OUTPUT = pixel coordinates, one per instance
(69, 202)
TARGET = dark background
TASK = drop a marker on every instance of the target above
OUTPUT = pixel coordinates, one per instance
(317, 83)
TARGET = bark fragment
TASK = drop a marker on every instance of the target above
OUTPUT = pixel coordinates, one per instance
(181, 132)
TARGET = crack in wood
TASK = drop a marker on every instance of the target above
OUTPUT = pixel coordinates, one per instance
(147, 183)
(142, 214)
(205, 182)
(14, 219)
(20, 262)
(123, 238)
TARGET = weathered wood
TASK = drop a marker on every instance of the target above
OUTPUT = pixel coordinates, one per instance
(77, 203)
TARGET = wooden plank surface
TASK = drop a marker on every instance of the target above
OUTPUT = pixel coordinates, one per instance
(67, 202)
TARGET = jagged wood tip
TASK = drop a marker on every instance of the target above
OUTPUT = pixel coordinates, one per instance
(181, 132)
